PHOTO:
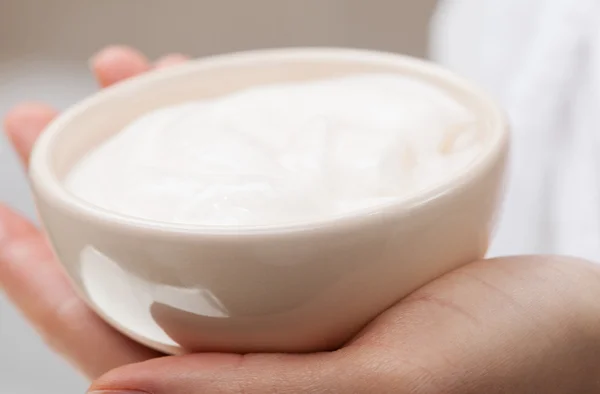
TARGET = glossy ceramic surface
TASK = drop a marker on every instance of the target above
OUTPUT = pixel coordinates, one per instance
(296, 288)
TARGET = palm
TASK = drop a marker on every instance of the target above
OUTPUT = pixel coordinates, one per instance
(515, 322)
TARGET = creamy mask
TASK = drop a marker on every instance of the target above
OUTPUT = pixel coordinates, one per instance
(281, 153)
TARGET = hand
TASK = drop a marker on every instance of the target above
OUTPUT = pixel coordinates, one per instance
(31, 276)
(514, 325)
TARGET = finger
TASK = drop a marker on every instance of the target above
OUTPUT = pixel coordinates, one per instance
(171, 60)
(248, 374)
(117, 63)
(35, 282)
(24, 123)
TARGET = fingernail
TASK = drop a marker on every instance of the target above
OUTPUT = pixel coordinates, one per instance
(117, 392)
(107, 50)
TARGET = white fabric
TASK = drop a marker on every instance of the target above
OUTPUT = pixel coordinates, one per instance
(541, 59)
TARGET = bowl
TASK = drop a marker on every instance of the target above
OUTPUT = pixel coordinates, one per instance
(288, 288)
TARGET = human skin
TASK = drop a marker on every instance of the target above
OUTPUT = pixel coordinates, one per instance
(511, 325)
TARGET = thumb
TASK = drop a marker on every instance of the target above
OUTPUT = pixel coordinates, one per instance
(336, 372)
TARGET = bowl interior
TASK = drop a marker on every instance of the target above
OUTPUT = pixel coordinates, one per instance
(107, 113)
(95, 119)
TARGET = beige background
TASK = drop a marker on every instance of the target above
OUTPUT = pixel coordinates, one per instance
(44, 47)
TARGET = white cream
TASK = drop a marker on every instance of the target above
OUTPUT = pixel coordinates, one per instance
(282, 153)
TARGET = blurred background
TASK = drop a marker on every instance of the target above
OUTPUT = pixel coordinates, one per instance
(44, 49)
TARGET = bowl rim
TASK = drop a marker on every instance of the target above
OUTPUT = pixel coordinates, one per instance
(47, 185)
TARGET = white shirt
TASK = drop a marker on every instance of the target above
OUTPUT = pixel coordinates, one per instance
(541, 59)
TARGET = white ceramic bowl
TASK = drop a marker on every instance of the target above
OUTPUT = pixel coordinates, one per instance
(295, 288)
